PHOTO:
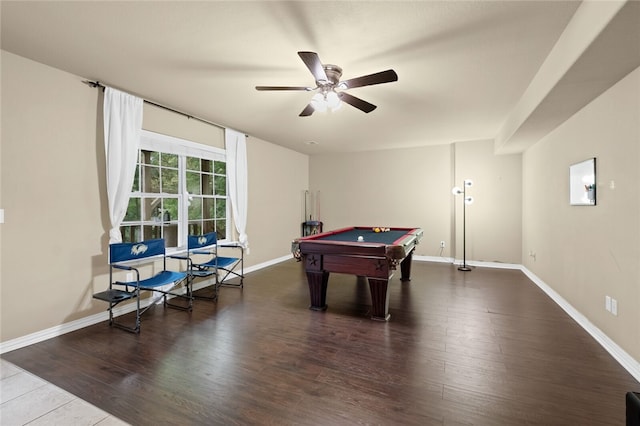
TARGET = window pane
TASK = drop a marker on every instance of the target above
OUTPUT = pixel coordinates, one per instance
(151, 232)
(169, 160)
(152, 208)
(151, 182)
(193, 163)
(130, 234)
(220, 183)
(195, 228)
(170, 181)
(207, 184)
(209, 226)
(221, 208)
(195, 208)
(193, 183)
(136, 180)
(158, 184)
(170, 235)
(221, 229)
(133, 210)
(208, 205)
(150, 157)
(170, 209)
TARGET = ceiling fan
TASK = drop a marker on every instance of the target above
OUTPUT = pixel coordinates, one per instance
(330, 90)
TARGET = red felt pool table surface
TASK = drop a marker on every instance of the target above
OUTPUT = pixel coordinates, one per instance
(376, 257)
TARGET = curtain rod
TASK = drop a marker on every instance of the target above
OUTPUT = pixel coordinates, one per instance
(102, 86)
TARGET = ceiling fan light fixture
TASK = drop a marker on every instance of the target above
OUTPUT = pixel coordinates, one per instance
(330, 91)
(333, 101)
(322, 101)
(318, 102)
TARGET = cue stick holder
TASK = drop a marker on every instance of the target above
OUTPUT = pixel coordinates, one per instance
(311, 224)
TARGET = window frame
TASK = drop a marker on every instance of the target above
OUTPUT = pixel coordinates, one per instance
(152, 141)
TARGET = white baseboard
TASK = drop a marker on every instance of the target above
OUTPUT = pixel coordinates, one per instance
(619, 354)
(42, 335)
(474, 263)
(267, 263)
(439, 259)
(67, 327)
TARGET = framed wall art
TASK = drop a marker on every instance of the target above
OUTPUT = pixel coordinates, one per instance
(582, 183)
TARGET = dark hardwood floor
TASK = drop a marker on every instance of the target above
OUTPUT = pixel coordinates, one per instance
(485, 347)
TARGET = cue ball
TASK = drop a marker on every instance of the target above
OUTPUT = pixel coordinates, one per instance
(360, 238)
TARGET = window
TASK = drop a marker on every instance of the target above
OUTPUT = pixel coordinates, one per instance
(179, 189)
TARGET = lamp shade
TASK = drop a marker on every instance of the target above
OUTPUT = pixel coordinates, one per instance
(318, 102)
(333, 101)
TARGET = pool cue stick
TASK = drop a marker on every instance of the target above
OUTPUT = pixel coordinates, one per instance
(306, 195)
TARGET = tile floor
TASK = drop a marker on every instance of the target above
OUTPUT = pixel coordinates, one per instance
(26, 399)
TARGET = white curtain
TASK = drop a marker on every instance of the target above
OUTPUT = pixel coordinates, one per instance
(236, 145)
(122, 128)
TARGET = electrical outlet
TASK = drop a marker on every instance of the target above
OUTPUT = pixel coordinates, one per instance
(607, 303)
(441, 244)
(129, 276)
(614, 307)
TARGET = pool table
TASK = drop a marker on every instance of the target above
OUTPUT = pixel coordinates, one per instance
(359, 251)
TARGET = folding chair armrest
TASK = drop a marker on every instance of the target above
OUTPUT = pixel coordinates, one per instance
(182, 257)
(234, 244)
(123, 267)
(175, 256)
(202, 252)
(135, 284)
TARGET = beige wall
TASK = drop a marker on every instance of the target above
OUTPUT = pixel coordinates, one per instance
(397, 188)
(412, 187)
(53, 192)
(586, 253)
(169, 123)
(52, 189)
(277, 176)
(494, 220)
(54, 220)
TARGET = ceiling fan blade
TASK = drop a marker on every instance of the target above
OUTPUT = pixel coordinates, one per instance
(306, 89)
(312, 61)
(356, 102)
(368, 80)
(307, 111)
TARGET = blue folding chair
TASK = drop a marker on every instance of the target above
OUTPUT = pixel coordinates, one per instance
(129, 257)
(215, 265)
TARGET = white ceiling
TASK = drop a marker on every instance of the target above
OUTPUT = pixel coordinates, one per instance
(462, 66)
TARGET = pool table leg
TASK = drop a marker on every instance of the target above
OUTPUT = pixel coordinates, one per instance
(379, 299)
(318, 289)
(405, 267)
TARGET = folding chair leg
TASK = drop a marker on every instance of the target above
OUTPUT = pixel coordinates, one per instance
(214, 297)
(231, 271)
(189, 306)
(115, 297)
(222, 283)
(113, 323)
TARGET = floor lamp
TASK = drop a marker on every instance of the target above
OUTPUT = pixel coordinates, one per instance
(467, 200)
